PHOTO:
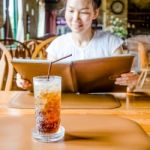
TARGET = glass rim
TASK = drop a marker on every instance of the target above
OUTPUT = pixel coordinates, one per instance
(46, 77)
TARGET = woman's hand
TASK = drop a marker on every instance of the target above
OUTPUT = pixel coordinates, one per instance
(128, 79)
(22, 83)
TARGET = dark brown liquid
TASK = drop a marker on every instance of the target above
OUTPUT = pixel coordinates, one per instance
(47, 123)
(48, 112)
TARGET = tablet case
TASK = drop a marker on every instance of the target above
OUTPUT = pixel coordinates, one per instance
(84, 76)
(98, 75)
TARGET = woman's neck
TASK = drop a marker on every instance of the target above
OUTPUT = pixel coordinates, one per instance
(83, 39)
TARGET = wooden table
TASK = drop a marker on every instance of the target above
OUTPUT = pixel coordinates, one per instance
(137, 110)
(19, 123)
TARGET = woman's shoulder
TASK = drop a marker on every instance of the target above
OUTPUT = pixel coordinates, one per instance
(108, 40)
(104, 34)
(59, 42)
(62, 38)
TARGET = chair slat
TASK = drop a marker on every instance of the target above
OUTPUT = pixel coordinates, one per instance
(40, 49)
(6, 69)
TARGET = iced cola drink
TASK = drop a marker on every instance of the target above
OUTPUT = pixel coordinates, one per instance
(47, 94)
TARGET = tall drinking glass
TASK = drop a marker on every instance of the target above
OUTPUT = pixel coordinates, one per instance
(47, 93)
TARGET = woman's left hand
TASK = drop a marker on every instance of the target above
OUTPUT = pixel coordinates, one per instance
(128, 79)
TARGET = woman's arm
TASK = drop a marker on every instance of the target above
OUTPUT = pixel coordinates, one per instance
(128, 79)
(118, 51)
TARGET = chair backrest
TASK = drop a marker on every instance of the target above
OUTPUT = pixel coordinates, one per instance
(32, 44)
(133, 42)
(16, 48)
(143, 55)
(6, 69)
(40, 49)
(139, 46)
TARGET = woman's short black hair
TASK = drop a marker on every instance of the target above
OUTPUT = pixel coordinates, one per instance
(96, 4)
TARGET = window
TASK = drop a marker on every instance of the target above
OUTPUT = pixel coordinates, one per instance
(13, 15)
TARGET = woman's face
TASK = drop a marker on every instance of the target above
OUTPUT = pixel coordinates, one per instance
(79, 15)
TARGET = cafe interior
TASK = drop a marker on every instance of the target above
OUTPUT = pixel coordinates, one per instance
(84, 113)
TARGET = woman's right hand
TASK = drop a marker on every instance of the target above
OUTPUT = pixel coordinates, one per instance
(22, 83)
(128, 79)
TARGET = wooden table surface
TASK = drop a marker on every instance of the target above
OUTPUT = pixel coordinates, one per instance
(134, 107)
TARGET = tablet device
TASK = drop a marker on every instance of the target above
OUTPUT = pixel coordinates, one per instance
(84, 76)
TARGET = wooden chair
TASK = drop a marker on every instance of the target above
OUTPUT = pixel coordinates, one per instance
(40, 49)
(17, 48)
(32, 44)
(6, 69)
(144, 67)
(143, 56)
(139, 46)
(133, 42)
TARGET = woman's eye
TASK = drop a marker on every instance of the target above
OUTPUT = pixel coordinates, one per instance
(83, 12)
(71, 11)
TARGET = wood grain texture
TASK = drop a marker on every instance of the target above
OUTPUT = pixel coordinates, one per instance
(136, 109)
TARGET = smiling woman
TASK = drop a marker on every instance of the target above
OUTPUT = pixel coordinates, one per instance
(83, 42)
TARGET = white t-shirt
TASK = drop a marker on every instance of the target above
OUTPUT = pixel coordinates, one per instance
(103, 44)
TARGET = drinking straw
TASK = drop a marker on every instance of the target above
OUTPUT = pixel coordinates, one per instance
(50, 65)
